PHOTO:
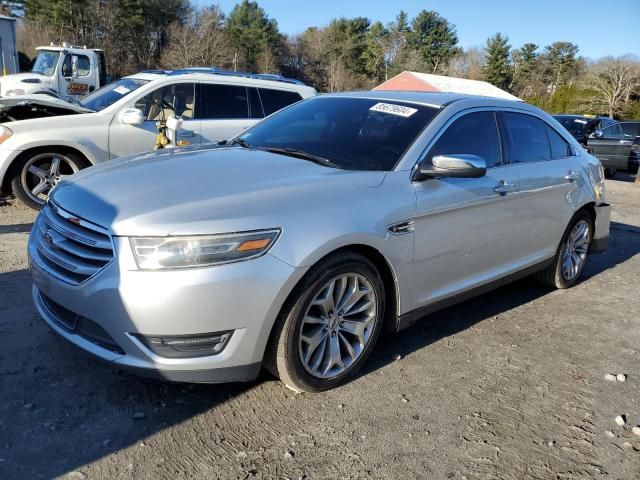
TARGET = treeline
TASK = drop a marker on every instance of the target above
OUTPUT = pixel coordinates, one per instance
(348, 53)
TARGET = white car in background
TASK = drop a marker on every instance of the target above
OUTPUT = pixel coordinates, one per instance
(214, 105)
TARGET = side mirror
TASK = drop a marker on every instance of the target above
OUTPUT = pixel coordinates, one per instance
(598, 134)
(460, 165)
(74, 66)
(131, 116)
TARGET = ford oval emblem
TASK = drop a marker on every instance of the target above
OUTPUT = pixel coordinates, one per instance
(48, 238)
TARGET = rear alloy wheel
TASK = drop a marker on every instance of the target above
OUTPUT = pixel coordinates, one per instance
(34, 179)
(329, 329)
(571, 256)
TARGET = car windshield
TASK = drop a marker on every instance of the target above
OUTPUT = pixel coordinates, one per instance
(110, 94)
(347, 133)
(46, 62)
(576, 126)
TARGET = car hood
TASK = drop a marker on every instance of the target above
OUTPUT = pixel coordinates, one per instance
(206, 190)
(40, 100)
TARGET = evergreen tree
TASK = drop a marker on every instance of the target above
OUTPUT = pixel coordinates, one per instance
(497, 69)
(253, 33)
(560, 63)
(525, 67)
(434, 39)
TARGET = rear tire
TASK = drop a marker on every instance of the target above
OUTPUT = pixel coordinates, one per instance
(572, 253)
(330, 325)
(610, 172)
(34, 175)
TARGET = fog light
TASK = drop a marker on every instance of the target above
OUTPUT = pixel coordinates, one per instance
(185, 346)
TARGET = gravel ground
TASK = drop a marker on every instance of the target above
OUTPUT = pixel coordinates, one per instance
(510, 385)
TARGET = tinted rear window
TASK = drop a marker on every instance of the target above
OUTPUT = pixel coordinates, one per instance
(274, 100)
(529, 141)
(354, 133)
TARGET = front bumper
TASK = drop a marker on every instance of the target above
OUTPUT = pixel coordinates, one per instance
(243, 297)
(600, 240)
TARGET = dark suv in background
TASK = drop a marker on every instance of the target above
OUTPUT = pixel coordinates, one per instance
(603, 137)
(632, 128)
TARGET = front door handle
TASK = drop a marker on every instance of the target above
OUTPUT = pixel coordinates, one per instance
(504, 187)
(572, 176)
(186, 133)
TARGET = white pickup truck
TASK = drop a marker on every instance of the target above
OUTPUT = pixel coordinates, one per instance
(61, 71)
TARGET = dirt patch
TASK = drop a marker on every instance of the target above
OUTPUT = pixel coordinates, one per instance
(509, 385)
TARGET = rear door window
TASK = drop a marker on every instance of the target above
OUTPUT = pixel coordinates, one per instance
(476, 134)
(218, 101)
(529, 142)
(560, 148)
(274, 100)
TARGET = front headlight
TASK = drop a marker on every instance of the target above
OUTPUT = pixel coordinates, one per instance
(158, 253)
(15, 92)
(5, 133)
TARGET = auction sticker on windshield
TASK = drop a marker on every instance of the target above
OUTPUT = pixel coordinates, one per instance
(122, 90)
(392, 109)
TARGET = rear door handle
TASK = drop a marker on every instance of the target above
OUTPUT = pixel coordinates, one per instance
(572, 176)
(504, 187)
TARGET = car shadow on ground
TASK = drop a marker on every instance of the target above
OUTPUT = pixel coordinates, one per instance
(17, 228)
(624, 177)
(60, 410)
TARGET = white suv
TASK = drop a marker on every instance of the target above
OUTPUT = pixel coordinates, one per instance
(214, 105)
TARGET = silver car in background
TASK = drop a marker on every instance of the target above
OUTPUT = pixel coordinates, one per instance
(294, 245)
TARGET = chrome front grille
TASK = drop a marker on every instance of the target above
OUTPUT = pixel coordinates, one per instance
(70, 248)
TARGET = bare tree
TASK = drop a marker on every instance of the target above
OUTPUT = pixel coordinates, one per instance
(198, 43)
(468, 64)
(614, 80)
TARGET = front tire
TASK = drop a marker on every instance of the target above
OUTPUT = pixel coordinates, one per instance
(34, 176)
(572, 253)
(330, 325)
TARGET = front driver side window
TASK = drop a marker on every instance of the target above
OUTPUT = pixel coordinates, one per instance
(175, 99)
(613, 131)
(476, 134)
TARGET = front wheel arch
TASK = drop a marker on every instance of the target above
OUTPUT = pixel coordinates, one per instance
(62, 149)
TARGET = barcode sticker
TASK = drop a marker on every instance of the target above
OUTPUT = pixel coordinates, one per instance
(392, 109)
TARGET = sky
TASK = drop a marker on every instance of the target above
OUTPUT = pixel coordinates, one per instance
(598, 27)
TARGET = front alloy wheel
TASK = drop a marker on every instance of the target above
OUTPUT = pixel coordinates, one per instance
(40, 173)
(329, 325)
(337, 326)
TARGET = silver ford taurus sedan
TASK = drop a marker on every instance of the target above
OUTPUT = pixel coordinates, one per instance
(295, 244)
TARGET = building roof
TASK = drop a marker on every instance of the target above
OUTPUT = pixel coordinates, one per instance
(426, 82)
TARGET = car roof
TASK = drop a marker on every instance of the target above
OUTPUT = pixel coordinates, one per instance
(583, 117)
(433, 99)
(195, 76)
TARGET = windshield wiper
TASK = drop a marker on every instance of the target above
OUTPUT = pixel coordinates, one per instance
(239, 141)
(292, 152)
